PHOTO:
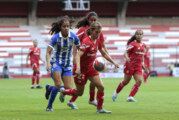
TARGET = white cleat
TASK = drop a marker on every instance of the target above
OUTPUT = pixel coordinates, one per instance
(72, 105)
(131, 99)
(114, 97)
(94, 102)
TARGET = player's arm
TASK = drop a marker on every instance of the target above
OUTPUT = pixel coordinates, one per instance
(107, 57)
(143, 64)
(75, 49)
(126, 56)
(79, 54)
(104, 47)
(27, 59)
(48, 54)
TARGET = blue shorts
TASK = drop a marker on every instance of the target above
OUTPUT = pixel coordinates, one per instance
(64, 70)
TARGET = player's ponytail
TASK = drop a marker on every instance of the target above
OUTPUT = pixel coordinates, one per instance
(92, 27)
(84, 21)
(131, 39)
(56, 26)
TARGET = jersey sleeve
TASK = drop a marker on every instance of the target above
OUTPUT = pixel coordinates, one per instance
(80, 34)
(130, 47)
(100, 46)
(76, 41)
(53, 41)
(30, 50)
(101, 37)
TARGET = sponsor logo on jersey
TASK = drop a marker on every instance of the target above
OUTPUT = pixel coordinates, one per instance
(54, 65)
(141, 53)
(91, 54)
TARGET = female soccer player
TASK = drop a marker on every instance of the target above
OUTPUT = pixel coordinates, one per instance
(84, 70)
(34, 53)
(83, 25)
(147, 64)
(134, 56)
(61, 68)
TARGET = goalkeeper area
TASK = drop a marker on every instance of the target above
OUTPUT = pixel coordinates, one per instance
(157, 100)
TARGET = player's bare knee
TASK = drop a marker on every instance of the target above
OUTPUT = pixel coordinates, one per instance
(58, 85)
(100, 88)
(139, 82)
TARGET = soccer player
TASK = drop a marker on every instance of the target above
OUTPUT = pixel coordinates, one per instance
(134, 56)
(62, 43)
(34, 53)
(147, 64)
(83, 25)
(84, 70)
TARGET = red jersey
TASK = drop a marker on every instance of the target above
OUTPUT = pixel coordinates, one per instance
(147, 59)
(90, 49)
(82, 34)
(34, 55)
(135, 53)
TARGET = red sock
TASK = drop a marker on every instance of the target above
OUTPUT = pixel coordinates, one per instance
(134, 90)
(120, 86)
(100, 99)
(38, 77)
(145, 75)
(92, 95)
(69, 91)
(73, 98)
(33, 78)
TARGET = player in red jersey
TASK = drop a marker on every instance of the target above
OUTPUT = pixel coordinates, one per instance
(134, 56)
(84, 70)
(34, 53)
(147, 64)
(83, 25)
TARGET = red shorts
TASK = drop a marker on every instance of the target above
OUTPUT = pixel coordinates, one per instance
(34, 66)
(83, 77)
(132, 70)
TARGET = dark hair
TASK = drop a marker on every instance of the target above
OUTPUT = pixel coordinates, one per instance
(56, 26)
(92, 27)
(84, 21)
(133, 37)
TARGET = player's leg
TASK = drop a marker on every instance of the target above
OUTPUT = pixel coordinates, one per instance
(33, 75)
(92, 100)
(96, 80)
(123, 83)
(138, 79)
(37, 78)
(68, 83)
(55, 89)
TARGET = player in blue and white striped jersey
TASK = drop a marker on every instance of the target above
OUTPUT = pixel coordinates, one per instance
(62, 42)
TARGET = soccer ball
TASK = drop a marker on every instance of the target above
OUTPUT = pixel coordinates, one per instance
(99, 64)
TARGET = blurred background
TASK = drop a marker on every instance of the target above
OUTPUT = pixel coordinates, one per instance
(22, 21)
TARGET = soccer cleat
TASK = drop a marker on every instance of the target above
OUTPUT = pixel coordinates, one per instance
(47, 92)
(32, 87)
(72, 105)
(131, 99)
(102, 111)
(94, 102)
(49, 109)
(62, 96)
(39, 87)
(114, 97)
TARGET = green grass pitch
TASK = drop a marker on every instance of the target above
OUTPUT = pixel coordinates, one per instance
(157, 100)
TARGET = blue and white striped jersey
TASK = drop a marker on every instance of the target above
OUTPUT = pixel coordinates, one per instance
(63, 48)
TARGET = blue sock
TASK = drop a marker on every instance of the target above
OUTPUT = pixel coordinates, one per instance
(53, 96)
